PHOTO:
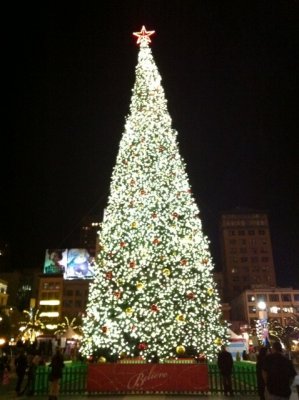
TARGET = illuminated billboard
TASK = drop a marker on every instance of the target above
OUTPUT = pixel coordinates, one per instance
(72, 263)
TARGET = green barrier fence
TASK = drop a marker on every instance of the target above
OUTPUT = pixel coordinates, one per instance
(243, 378)
(75, 376)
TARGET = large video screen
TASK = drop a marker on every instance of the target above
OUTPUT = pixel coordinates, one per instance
(72, 263)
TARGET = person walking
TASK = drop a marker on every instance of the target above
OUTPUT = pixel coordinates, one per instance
(278, 373)
(21, 366)
(225, 364)
(259, 376)
(57, 365)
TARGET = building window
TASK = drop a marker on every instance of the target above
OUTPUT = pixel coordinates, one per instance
(244, 259)
(288, 310)
(274, 297)
(252, 309)
(241, 233)
(69, 293)
(68, 303)
(250, 298)
(296, 297)
(286, 297)
(262, 232)
(251, 232)
(261, 297)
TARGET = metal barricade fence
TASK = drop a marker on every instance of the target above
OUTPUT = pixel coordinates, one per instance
(74, 379)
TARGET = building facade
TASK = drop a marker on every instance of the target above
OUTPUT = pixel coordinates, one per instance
(59, 297)
(276, 304)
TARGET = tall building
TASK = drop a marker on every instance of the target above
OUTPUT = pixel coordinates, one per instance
(89, 228)
(246, 251)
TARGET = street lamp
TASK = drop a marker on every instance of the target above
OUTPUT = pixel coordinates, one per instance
(263, 319)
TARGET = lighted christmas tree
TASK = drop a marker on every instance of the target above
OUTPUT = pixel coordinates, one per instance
(153, 294)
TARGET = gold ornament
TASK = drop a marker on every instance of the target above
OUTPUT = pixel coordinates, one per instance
(180, 318)
(129, 311)
(102, 360)
(139, 285)
(210, 291)
(218, 341)
(180, 350)
(120, 281)
(166, 272)
(134, 225)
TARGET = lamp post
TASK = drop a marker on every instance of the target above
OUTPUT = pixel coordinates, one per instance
(263, 318)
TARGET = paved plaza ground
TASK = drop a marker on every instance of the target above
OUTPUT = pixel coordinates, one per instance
(11, 395)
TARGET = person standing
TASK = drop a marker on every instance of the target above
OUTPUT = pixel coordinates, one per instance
(225, 364)
(21, 366)
(57, 365)
(259, 376)
(278, 373)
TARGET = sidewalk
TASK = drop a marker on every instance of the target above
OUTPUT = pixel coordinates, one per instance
(11, 395)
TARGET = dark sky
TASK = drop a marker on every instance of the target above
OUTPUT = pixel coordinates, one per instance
(230, 73)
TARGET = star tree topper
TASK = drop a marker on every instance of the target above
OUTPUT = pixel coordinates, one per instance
(143, 35)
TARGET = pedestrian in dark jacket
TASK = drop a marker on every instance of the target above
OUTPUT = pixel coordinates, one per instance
(278, 373)
(21, 366)
(259, 376)
(225, 364)
(57, 365)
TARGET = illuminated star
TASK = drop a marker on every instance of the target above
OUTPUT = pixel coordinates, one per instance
(143, 35)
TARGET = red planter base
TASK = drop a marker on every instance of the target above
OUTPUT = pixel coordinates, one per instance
(147, 378)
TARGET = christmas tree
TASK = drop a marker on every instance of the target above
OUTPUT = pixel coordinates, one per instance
(153, 294)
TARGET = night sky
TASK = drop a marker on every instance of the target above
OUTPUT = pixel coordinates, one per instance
(230, 74)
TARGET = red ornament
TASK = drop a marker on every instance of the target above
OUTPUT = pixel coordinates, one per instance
(154, 308)
(142, 346)
(142, 192)
(190, 296)
(132, 182)
(132, 264)
(109, 275)
(175, 215)
(104, 329)
(117, 294)
(154, 215)
(156, 241)
(122, 244)
(183, 261)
